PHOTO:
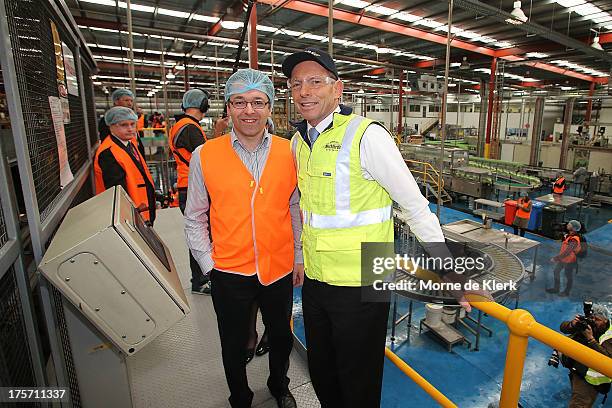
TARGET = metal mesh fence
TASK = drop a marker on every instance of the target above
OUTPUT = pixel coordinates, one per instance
(91, 104)
(3, 234)
(15, 358)
(73, 382)
(29, 23)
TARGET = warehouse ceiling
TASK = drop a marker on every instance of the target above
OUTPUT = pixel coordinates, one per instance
(373, 40)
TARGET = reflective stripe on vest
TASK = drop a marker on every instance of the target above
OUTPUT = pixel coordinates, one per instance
(593, 377)
(249, 219)
(134, 180)
(341, 209)
(181, 155)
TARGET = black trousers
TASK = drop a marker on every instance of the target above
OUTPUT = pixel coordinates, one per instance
(345, 339)
(233, 296)
(570, 269)
(197, 276)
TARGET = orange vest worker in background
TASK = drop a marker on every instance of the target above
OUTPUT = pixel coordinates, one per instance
(559, 186)
(521, 218)
(185, 136)
(118, 162)
(566, 259)
(247, 180)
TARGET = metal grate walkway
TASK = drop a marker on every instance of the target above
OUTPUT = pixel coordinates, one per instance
(182, 367)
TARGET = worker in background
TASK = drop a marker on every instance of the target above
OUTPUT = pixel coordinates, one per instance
(246, 180)
(140, 124)
(158, 123)
(559, 185)
(566, 258)
(593, 331)
(119, 163)
(185, 136)
(349, 171)
(121, 97)
(521, 217)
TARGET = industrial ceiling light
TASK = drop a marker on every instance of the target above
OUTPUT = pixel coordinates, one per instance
(596, 43)
(170, 75)
(464, 64)
(518, 17)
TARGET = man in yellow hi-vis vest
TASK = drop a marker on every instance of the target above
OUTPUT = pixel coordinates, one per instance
(349, 171)
(596, 334)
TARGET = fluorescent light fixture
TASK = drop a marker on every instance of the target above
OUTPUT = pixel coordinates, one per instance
(355, 3)
(267, 29)
(536, 55)
(381, 10)
(402, 15)
(231, 25)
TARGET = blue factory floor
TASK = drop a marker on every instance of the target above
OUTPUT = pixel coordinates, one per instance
(472, 379)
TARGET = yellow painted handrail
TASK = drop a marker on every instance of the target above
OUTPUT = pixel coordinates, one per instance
(522, 325)
(426, 176)
(420, 381)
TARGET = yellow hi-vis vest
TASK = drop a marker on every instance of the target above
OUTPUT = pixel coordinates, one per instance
(593, 377)
(340, 208)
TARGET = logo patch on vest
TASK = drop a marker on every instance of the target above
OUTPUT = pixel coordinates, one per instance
(332, 146)
(326, 174)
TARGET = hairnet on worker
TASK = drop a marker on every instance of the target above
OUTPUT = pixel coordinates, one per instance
(119, 114)
(193, 98)
(245, 80)
(119, 93)
(601, 311)
(576, 225)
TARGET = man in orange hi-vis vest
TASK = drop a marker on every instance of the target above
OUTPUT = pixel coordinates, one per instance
(566, 259)
(185, 136)
(247, 181)
(119, 162)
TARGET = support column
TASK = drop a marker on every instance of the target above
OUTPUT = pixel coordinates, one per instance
(567, 122)
(490, 108)
(589, 108)
(131, 52)
(186, 77)
(400, 115)
(536, 131)
(253, 63)
(330, 27)
(482, 119)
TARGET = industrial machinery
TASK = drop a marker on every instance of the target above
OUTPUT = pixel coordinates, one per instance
(122, 291)
(472, 176)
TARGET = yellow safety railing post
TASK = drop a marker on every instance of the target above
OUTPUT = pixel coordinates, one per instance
(519, 322)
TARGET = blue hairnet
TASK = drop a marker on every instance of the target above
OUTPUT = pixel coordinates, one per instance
(193, 98)
(601, 310)
(245, 80)
(119, 114)
(576, 225)
(118, 93)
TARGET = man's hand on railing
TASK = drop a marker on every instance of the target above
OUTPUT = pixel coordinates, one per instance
(461, 295)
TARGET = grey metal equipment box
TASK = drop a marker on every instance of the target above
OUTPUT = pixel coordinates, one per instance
(116, 271)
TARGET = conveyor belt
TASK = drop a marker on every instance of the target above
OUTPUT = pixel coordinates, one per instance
(500, 265)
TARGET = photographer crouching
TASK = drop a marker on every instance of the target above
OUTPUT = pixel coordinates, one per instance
(592, 329)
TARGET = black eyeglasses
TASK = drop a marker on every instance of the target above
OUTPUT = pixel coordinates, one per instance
(257, 104)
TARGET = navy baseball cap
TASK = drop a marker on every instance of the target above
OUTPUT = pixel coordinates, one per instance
(310, 54)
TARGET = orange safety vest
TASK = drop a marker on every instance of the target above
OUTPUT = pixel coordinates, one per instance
(134, 179)
(175, 200)
(181, 155)
(140, 123)
(559, 186)
(519, 209)
(250, 221)
(571, 258)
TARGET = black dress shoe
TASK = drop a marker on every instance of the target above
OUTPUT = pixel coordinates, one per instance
(552, 290)
(249, 355)
(286, 401)
(263, 347)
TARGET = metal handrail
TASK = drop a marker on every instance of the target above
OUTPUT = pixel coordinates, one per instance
(438, 179)
(522, 326)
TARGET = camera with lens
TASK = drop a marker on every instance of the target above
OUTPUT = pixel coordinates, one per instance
(577, 328)
(585, 320)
